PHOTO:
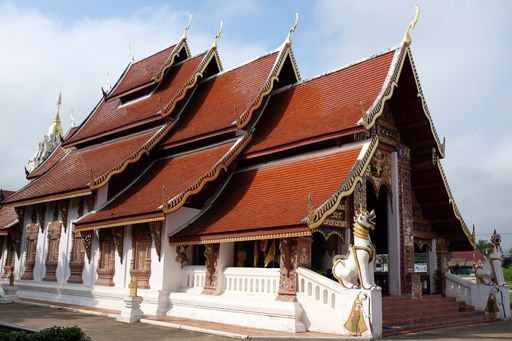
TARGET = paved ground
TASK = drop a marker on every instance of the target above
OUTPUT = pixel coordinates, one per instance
(104, 328)
(98, 328)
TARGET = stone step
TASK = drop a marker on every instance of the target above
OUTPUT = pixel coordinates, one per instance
(433, 318)
(419, 307)
(423, 313)
(390, 330)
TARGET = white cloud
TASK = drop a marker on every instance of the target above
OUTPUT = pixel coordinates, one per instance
(41, 54)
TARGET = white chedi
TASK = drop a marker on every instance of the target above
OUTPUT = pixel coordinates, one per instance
(356, 270)
(49, 142)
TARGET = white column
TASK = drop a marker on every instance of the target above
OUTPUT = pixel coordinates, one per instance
(226, 251)
(42, 244)
(3, 255)
(394, 230)
(432, 265)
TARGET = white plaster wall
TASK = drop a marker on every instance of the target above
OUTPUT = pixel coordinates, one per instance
(42, 244)
(19, 263)
(120, 261)
(3, 255)
(89, 274)
(156, 280)
(226, 251)
(394, 231)
(66, 243)
(171, 270)
(101, 197)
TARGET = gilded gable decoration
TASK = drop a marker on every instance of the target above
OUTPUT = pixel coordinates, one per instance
(117, 235)
(156, 233)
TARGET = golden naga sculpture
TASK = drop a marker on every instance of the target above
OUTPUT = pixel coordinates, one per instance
(289, 37)
(355, 270)
(133, 286)
(407, 37)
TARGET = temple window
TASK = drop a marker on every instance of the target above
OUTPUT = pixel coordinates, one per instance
(141, 255)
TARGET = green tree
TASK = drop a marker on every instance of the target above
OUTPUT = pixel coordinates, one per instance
(482, 245)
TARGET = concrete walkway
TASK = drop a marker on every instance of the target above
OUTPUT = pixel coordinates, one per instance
(100, 328)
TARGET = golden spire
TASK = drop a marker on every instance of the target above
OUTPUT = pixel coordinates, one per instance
(217, 36)
(187, 27)
(289, 37)
(56, 126)
(407, 38)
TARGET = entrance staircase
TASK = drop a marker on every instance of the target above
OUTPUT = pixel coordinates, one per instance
(406, 315)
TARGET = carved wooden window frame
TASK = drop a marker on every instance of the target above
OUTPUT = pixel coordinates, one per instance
(140, 265)
(107, 260)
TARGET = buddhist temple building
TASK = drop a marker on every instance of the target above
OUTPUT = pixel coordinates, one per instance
(227, 194)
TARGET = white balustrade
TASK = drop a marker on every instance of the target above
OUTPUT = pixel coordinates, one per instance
(251, 281)
(458, 288)
(319, 288)
(193, 277)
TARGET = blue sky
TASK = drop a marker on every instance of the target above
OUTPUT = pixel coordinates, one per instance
(461, 48)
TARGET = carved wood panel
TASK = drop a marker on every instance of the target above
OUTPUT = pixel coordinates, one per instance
(211, 254)
(288, 257)
(141, 255)
(52, 257)
(30, 256)
(76, 262)
(106, 262)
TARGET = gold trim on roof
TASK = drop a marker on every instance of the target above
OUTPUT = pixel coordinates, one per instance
(370, 116)
(407, 38)
(243, 119)
(157, 78)
(455, 209)
(122, 223)
(191, 82)
(98, 182)
(49, 198)
(245, 238)
(179, 200)
(3, 233)
(317, 217)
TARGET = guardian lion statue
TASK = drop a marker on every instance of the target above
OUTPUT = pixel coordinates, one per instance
(356, 269)
(491, 270)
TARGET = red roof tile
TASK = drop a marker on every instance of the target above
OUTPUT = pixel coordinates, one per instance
(111, 115)
(145, 196)
(327, 104)
(273, 196)
(218, 101)
(7, 217)
(142, 72)
(73, 172)
(50, 161)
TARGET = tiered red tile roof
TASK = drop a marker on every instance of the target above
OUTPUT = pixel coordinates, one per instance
(75, 170)
(174, 175)
(113, 114)
(219, 100)
(7, 214)
(51, 161)
(324, 105)
(142, 72)
(273, 197)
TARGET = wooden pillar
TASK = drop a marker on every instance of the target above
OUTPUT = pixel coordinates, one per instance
(211, 254)
(406, 219)
(288, 257)
(442, 254)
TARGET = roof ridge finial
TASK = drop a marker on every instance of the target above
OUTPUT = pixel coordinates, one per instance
(217, 36)
(73, 124)
(289, 37)
(407, 38)
(130, 53)
(187, 27)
